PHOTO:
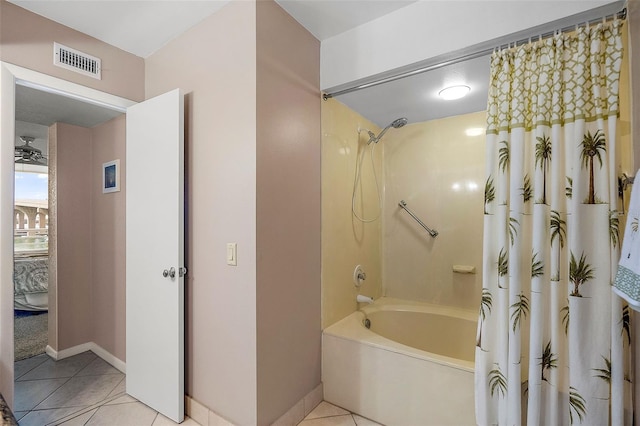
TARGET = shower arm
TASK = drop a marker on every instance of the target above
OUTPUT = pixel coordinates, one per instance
(402, 204)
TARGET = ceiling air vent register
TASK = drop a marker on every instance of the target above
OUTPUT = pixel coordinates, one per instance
(74, 60)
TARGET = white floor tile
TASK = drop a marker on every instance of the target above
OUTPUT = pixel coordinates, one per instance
(361, 421)
(98, 367)
(133, 414)
(81, 391)
(68, 367)
(120, 388)
(29, 394)
(345, 420)
(124, 399)
(24, 366)
(45, 417)
(324, 409)
(164, 421)
(79, 420)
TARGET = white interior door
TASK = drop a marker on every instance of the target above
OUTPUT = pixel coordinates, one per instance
(155, 253)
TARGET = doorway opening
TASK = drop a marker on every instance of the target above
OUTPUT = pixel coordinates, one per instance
(36, 113)
(31, 240)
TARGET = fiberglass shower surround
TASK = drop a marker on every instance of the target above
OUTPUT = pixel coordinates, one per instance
(396, 124)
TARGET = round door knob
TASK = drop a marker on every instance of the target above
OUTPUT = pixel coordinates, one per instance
(165, 273)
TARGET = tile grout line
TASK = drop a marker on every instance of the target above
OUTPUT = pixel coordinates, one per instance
(50, 378)
(82, 410)
(44, 378)
(85, 409)
(76, 410)
(89, 419)
(70, 416)
(328, 417)
(332, 415)
(73, 416)
(51, 393)
(15, 379)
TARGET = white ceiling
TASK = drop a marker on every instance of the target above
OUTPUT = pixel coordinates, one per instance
(416, 97)
(43, 108)
(138, 27)
(143, 27)
(326, 18)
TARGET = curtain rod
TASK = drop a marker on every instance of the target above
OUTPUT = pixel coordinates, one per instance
(622, 14)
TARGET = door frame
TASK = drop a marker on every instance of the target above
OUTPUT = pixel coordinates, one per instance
(47, 83)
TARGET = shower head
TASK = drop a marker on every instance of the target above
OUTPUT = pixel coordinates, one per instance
(396, 124)
(399, 122)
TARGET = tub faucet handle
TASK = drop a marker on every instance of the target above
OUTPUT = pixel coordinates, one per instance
(359, 276)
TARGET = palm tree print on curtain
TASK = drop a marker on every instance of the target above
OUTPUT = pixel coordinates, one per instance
(592, 148)
(543, 157)
(551, 237)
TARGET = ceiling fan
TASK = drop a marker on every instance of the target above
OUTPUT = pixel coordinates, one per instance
(27, 154)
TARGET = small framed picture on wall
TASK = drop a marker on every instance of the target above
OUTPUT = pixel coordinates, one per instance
(111, 176)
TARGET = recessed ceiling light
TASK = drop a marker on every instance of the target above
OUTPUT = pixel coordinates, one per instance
(454, 92)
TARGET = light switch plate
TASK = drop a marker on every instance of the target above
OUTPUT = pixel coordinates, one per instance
(232, 254)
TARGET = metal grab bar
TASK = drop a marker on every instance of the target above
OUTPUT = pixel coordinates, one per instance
(432, 232)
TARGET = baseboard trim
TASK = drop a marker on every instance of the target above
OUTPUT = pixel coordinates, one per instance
(89, 346)
(302, 408)
(202, 415)
(206, 417)
(51, 352)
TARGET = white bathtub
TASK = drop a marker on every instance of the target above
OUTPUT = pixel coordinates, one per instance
(414, 367)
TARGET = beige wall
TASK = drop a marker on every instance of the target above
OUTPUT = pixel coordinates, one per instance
(288, 212)
(26, 39)
(87, 231)
(439, 171)
(347, 242)
(215, 64)
(73, 230)
(247, 360)
(108, 240)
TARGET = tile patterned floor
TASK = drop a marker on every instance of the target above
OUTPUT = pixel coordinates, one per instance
(86, 390)
(75, 391)
(327, 414)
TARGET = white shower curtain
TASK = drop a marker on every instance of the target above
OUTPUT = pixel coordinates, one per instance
(553, 342)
